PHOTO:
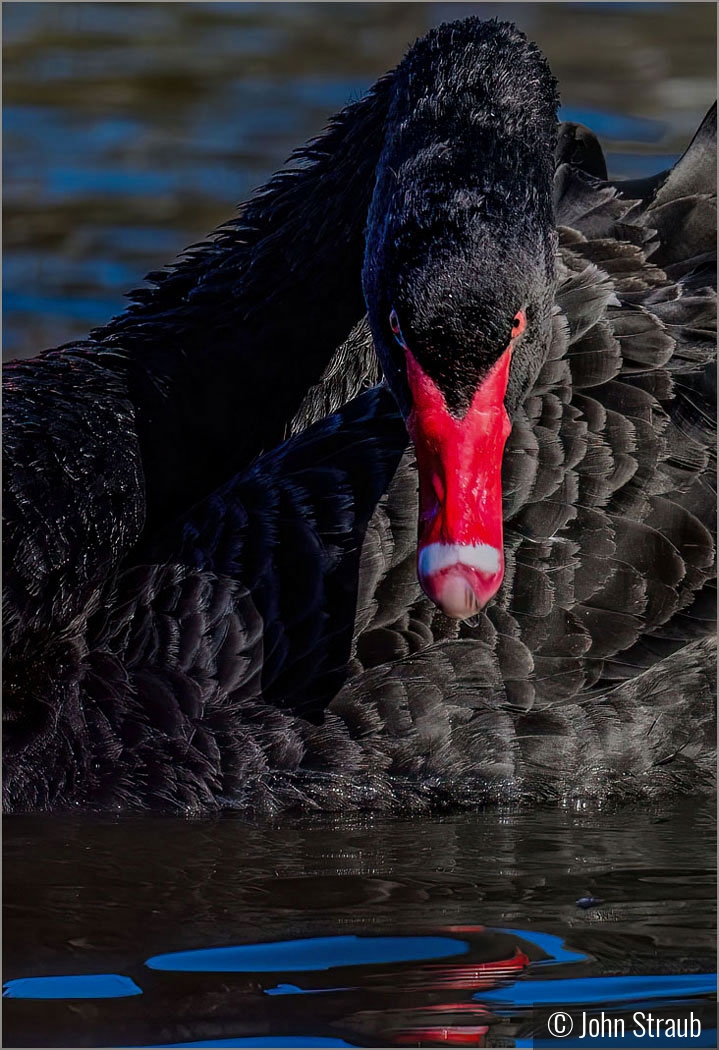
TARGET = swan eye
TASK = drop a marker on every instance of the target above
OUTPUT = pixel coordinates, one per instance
(519, 324)
(397, 331)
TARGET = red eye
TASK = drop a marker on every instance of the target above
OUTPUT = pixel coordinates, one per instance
(519, 324)
(394, 325)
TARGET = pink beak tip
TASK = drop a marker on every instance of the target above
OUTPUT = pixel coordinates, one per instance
(460, 578)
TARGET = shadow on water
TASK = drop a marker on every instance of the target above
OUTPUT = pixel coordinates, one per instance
(460, 930)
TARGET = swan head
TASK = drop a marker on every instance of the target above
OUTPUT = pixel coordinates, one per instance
(459, 281)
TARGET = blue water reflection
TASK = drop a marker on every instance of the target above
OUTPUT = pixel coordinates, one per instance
(469, 973)
(554, 947)
(601, 990)
(316, 953)
(708, 1038)
(270, 1041)
(76, 986)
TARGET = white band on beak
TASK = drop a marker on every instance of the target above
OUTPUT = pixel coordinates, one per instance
(438, 556)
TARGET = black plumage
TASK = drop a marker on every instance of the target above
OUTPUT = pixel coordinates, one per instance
(210, 586)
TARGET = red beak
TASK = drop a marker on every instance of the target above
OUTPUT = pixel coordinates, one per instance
(460, 560)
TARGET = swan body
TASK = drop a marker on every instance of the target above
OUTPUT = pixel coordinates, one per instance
(193, 621)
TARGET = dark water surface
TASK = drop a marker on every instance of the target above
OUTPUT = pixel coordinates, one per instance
(438, 931)
(130, 130)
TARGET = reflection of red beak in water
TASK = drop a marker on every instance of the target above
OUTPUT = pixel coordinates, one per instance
(460, 560)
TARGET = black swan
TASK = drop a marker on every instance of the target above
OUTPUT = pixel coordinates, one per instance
(211, 591)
